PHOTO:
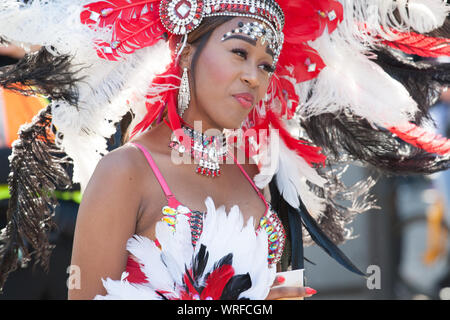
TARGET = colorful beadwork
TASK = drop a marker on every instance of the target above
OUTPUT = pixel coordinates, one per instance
(270, 224)
(170, 215)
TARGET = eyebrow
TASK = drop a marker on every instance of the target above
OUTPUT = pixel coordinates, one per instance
(249, 40)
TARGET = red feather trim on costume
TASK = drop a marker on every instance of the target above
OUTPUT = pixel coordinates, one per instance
(109, 11)
(308, 152)
(216, 281)
(419, 44)
(421, 138)
(135, 274)
(166, 98)
(300, 62)
(135, 25)
(314, 17)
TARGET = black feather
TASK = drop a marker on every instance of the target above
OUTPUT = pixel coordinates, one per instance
(423, 80)
(37, 170)
(199, 263)
(224, 261)
(322, 240)
(345, 138)
(235, 286)
(295, 226)
(42, 73)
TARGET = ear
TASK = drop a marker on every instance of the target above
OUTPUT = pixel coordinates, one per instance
(186, 56)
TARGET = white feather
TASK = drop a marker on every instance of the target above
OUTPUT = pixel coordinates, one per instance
(109, 89)
(123, 290)
(379, 17)
(350, 80)
(148, 254)
(292, 173)
(223, 233)
(423, 15)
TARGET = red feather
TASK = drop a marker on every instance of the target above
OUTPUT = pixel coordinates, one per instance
(288, 90)
(191, 291)
(216, 282)
(163, 99)
(299, 61)
(419, 44)
(109, 11)
(135, 24)
(136, 34)
(310, 153)
(423, 139)
(135, 274)
(314, 17)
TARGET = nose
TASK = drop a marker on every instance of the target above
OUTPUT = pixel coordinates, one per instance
(250, 77)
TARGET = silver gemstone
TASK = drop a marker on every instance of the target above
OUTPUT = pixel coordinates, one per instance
(94, 16)
(332, 15)
(183, 10)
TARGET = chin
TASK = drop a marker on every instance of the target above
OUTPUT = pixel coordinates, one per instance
(232, 125)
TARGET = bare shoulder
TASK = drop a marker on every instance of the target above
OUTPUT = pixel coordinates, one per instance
(121, 162)
(116, 180)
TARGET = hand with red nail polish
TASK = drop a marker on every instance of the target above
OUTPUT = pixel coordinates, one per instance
(310, 291)
(280, 292)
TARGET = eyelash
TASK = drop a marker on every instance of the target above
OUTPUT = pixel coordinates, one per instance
(242, 53)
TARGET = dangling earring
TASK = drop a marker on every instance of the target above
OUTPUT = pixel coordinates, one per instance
(184, 94)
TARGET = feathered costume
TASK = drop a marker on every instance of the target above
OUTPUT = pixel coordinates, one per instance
(352, 83)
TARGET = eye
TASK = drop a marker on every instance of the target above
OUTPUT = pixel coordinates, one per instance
(240, 52)
(268, 68)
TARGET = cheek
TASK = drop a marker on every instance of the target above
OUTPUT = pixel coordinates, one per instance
(214, 74)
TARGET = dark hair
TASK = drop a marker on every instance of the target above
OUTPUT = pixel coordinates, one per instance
(199, 38)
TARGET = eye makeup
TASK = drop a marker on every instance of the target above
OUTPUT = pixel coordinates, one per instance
(252, 32)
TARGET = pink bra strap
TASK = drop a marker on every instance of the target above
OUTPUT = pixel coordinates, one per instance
(251, 181)
(170, 197)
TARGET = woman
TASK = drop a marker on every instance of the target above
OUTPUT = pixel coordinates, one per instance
(153, 229)
(124, 197)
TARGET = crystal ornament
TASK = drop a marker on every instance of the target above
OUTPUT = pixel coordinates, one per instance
(181, 16)
(207, 151)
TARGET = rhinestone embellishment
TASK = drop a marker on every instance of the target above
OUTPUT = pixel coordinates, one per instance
(181, 16)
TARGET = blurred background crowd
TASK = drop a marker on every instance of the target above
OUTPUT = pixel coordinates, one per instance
(405, 245)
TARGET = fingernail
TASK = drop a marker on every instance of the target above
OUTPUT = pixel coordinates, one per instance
(280, 279)
(310, 291)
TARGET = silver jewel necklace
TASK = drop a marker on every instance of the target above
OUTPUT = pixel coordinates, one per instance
(208, 152)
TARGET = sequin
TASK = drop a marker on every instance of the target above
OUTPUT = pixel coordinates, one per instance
(273, 237)
(169, 211)
(182, 209)
(263, 222)
(169, 220)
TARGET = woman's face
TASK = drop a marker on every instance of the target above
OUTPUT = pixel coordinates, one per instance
(232, 76)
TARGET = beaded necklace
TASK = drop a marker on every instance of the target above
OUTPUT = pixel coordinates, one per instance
(207, 151)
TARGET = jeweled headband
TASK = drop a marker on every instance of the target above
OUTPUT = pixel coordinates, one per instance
(183, 16)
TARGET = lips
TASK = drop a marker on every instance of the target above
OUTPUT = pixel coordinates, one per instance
(245, 99)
